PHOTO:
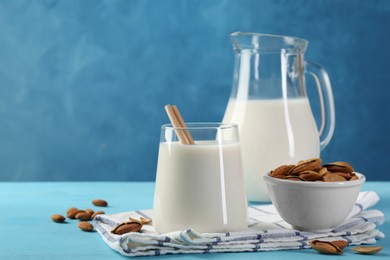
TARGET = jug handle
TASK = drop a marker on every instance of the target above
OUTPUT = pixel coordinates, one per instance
(325, 94)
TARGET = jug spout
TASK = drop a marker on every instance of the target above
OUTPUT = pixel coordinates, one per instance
(267, 42)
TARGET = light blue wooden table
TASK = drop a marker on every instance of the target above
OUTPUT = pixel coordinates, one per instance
(27, 232)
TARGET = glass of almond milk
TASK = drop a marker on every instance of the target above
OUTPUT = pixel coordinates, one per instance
(200, 185)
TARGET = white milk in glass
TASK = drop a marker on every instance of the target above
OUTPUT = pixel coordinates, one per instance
(272, 132)
(199, 186)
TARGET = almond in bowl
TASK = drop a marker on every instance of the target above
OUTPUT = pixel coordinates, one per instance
(312, 197)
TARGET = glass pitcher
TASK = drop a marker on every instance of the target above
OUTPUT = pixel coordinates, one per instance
(269, 102)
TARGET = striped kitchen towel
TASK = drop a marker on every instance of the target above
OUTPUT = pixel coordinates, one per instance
(266, 232)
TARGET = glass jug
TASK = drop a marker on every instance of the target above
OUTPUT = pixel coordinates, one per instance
(269, 102)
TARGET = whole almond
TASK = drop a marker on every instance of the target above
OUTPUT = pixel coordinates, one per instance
(97, 213)
(71, 213)
(281, 171)
(339, 167)
(85, 226)
(58, 218)
(83, 216)
(326, 247)
(100, 203)
(127, 228)
(306, 165)
(71, 209)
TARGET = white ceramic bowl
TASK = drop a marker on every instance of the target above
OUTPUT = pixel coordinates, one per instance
(313, 206)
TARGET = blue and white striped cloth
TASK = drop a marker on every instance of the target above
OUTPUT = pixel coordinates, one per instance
(266, 232)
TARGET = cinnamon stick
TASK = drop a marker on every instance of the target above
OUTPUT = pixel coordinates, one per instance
(178, 122)
(183, 125)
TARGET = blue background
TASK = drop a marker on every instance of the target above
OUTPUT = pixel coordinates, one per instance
(83, 83)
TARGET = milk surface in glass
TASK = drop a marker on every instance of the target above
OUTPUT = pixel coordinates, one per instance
(199, 186)
(272, 132)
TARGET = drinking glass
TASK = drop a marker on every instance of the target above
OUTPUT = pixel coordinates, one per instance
(200, 185)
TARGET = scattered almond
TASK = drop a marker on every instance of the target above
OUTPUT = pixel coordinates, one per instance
(127, 227)
(326, 247)
(71, 213)
(85, 226)
(71, 209)
(367, 250)
(100, 203)
(58, 218)
(83, 216)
